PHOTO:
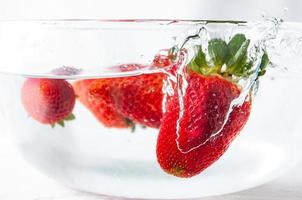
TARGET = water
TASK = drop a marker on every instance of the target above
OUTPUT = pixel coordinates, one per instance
(265, 33)
(87, 155)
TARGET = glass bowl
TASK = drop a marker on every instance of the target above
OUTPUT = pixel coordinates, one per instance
(111, 150)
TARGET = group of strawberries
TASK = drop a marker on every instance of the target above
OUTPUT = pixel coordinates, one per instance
(189, 140)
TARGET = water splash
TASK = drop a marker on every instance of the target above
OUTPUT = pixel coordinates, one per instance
(261, 35)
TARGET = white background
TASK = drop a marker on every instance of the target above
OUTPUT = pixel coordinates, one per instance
(179, 9)
(19, 181)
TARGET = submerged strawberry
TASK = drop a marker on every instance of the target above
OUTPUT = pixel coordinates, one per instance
(123, 101)
(138, 98)
(100, 107)
(48, 101)
(205, 129)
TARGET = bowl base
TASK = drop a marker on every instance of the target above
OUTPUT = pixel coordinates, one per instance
(246, 164)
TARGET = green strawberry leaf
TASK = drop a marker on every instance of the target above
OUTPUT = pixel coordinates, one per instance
(234, 56)
(200, 57)
(235, 43)
(199, 60)
(218, 51)
(199, 64)
(264, 62)
(61, 123)
(237, 62)
(194, 66)
(70, 117)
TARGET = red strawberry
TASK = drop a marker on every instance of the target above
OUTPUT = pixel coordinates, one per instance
(116, 102)
(100, 106)
(203, 135)
(140, 98)
(48, 101)
(136, 98)
(206, 103)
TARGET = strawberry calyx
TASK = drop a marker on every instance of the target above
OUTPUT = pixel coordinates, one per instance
(61, 123)
(130, 124)
(227, 59)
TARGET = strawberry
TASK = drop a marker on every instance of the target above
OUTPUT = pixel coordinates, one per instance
(97, 94)
(121, 102)
(49, 101)
(138, 98)
(205, 129)
(100, 106)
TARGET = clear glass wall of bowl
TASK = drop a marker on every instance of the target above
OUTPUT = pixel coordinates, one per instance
(88, 156)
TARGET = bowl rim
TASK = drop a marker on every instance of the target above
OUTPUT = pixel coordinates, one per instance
(154, 22)
(168, 21)
(161, 23)
(96, 23)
